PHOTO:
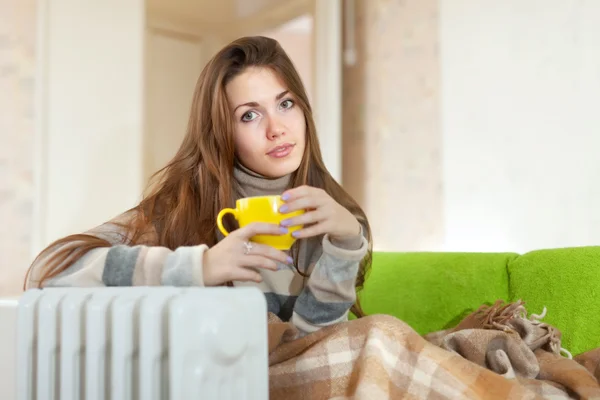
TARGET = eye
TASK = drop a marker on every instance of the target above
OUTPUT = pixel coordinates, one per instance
(249, 116)
(287, 104)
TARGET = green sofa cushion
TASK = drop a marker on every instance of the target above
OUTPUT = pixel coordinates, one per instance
(567, 282)
(431, 291)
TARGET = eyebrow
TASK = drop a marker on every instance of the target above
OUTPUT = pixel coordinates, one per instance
(255, 104)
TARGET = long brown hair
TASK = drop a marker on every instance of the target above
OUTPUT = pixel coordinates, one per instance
(184, 197)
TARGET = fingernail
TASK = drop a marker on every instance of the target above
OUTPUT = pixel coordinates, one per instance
(285, 197)
(290, 260)
(295, 234)
(283, 230)
(285, 222)
(283, 209)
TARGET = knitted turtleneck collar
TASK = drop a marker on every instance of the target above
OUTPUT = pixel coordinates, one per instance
(249, 184)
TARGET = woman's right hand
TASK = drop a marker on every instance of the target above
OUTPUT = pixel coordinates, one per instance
(229, 260)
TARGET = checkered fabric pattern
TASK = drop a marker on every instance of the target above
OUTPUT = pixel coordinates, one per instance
(381, 357)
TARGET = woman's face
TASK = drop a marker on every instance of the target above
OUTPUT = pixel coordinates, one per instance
(269, 127)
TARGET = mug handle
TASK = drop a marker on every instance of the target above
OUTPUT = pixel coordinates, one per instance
(224, 212)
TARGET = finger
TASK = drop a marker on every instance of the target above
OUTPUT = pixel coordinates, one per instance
(246, 275)
(271, 253)
(257, 261)
(314, 230)
(296, 193)
(302, 203)
(304, 219)
(260, 228)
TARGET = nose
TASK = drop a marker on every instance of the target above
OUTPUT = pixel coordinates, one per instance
(275, 128)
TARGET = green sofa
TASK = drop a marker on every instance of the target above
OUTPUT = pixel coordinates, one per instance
(432, 291)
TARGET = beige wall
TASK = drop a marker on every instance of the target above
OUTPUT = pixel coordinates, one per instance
(92, 114)
(173, 65)
(499, 155)
(521, 129)
(17, 64)
(391, 122)
(79, 164)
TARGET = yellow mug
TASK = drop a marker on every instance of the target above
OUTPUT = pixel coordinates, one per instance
(261, 209)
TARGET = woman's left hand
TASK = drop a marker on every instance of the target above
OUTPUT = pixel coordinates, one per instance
(323, 214)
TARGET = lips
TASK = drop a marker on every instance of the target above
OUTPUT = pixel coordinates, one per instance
(281, 151)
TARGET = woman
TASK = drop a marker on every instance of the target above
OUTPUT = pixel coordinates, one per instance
(250, 132)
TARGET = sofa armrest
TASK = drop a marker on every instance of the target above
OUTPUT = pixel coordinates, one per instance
(566, 282)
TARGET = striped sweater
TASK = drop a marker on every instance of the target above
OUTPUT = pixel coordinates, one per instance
(322, 299)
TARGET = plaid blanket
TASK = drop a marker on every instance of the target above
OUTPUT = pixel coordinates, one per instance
(497, 352)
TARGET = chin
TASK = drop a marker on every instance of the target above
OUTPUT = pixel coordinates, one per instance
(279, 169)
(279, 172)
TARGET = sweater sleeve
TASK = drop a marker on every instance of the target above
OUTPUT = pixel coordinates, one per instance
(330, 291)
(123, 265)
